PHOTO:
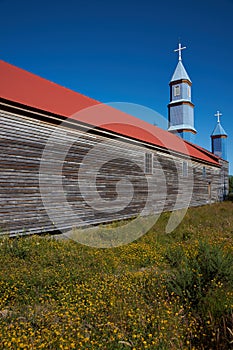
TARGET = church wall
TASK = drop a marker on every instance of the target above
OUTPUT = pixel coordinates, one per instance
(181, 114)
(176, 115)
(219, 146)
(121, 188)
(224, 179)
(188, 115)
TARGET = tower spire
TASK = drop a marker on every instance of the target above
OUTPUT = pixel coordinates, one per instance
(180, 48)
(180, 107)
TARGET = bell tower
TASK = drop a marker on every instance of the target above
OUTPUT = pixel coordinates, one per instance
(181, 108)
(219, 139)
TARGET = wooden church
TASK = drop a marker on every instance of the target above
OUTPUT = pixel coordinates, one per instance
(68, 160)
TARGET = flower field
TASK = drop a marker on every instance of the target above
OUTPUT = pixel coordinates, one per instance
(162, 292)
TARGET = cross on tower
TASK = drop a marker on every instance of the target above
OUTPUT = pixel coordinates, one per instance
(179, 50)
(218, 114)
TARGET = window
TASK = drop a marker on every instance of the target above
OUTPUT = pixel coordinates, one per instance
(177, 90)
(148, 163)
(189, 91)
(204, 172)
(185, 169)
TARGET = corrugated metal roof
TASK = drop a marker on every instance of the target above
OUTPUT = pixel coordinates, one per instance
(20, 86)
(180, 73)
(29, 89)
(219, 131)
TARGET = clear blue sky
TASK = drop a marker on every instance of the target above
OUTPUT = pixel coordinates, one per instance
(123, 51)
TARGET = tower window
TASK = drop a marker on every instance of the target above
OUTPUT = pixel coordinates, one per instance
(148, 163)
(177, 90)
(189, 91)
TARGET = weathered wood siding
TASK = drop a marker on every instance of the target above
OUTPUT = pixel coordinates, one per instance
(121, 188)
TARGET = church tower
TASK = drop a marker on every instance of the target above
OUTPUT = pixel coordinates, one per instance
(181, 108)
(219, 139)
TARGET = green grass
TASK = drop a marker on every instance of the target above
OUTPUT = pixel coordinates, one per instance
(163, 291)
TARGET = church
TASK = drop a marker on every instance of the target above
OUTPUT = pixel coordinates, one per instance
(70, 161)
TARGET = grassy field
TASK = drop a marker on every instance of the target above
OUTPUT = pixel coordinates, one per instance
(163, 291)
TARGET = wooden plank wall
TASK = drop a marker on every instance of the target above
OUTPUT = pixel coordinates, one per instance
(100, 179)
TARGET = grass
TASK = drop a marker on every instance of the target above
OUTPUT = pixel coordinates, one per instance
(163, 291)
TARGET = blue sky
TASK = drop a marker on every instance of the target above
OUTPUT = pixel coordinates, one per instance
(122, 51)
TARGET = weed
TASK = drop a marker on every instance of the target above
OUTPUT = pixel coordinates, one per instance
(163, 291)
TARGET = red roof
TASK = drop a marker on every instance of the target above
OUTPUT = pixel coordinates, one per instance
(20, 86)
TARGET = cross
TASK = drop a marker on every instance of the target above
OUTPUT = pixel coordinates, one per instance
(179, 50)
(218, 115)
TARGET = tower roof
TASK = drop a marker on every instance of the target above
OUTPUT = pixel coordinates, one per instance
(219, 131)
(180, 73)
